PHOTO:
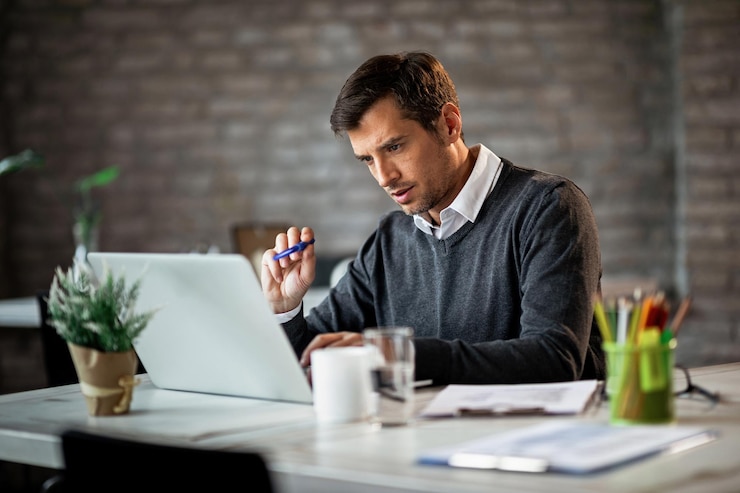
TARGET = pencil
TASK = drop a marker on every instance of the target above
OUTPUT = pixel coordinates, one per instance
(680, 315)
(601, 321)
(622, 321)
(647, 305)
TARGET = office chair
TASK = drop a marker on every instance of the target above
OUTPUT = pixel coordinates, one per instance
(57, 361)
(251, 239)
(95, 463)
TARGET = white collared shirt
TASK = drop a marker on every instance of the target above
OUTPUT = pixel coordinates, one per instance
(469, 201)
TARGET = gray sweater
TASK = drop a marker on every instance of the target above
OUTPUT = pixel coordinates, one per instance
(507, 299)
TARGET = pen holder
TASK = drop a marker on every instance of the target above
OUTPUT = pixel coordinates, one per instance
(639, 383)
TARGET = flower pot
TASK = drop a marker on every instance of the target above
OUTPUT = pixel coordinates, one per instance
(106, 379)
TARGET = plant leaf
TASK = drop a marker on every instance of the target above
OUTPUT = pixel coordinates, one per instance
(92, 314)
(98, 179)
(23, 160)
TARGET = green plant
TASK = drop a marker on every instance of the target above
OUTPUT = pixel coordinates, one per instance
(88, 214)
(98, 316)
(22, 160)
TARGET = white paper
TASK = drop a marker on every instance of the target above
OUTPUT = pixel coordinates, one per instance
(570, 447)
(541, 398)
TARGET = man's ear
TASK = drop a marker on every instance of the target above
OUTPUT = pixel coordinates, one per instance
(452, 122)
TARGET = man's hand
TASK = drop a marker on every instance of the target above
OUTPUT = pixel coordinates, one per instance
(286, 281)
(331, 339)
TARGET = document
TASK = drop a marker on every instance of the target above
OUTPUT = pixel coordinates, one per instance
(568, 447)
(541, 398)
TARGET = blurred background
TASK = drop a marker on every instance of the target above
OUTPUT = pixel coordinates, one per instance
(215, 113)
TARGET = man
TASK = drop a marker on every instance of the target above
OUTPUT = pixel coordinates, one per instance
(494, 266)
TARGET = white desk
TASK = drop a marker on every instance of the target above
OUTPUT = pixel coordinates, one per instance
(20, 312)
(306, 457)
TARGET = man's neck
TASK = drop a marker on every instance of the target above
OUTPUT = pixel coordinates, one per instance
(467, 158)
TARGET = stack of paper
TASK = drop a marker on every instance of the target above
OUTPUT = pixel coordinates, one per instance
(543, 398)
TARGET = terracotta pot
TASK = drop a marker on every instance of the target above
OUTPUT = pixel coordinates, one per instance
(106, 379)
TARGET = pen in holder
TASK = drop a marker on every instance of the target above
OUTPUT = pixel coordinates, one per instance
(639, 345)
(639, 381)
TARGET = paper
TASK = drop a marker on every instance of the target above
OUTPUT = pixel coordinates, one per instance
(568, 447)
(541, 398)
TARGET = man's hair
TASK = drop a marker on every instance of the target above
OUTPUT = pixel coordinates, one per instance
(416, 80)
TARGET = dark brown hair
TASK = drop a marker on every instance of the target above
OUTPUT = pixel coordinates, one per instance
(417, 80)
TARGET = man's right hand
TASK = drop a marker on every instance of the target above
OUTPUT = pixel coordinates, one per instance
(286, 281)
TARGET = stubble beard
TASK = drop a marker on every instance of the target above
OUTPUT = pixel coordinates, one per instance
(432, 196)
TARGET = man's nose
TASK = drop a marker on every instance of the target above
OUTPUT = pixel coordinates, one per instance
(385, 172)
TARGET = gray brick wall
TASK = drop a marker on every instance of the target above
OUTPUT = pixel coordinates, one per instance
(709, 210)
(217, 112)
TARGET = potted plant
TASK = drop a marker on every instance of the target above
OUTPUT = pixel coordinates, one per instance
(100, 326)
(87, 214)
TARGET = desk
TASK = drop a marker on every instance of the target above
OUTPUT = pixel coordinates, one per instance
(306, 457)
(20, 312)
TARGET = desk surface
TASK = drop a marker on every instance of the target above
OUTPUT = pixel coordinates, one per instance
(307, 457)
(20, 312)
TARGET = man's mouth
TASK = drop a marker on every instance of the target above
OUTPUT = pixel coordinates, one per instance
(402, 196)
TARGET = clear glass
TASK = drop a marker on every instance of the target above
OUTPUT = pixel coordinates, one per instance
(392, 371)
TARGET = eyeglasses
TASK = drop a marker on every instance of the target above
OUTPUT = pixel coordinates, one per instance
(683, 388)
(687, 389)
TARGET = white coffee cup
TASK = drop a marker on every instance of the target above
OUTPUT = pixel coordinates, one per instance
(341, 383)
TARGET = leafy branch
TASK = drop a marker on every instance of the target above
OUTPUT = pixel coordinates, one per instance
(22, 160)
(100, 317)
(88, 216)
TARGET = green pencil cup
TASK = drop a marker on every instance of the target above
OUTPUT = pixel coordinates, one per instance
(639, 383)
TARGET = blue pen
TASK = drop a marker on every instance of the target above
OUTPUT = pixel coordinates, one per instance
(299, 247)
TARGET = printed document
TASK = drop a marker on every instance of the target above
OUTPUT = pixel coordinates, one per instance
(541, 398)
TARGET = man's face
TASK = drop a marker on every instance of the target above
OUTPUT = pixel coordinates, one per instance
(414, 167)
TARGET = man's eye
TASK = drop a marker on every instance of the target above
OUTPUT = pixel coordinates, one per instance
(394, 147)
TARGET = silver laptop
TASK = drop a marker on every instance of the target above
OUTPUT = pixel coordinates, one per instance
(214, 332)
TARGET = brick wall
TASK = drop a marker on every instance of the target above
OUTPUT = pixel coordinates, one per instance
(217, 112)
(707, 159)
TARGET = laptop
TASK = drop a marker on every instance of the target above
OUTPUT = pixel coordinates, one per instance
(214, 332)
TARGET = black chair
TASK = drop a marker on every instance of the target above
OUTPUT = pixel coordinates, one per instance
(59, 367)
(95, 463)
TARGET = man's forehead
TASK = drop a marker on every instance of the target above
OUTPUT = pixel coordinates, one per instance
(377, 137)
(380, 126)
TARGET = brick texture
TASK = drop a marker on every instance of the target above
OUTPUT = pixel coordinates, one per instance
(709, 68)
(217, 112)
